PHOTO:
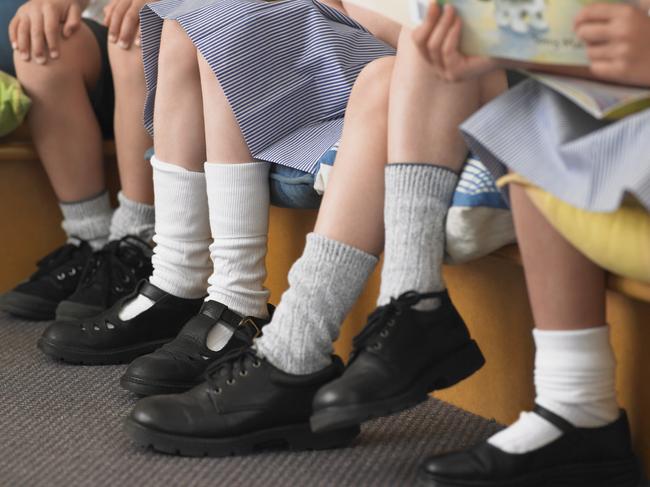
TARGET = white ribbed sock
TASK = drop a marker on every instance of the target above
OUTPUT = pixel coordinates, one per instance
(575, 379)
(324, 284)
(89, 220)
(181, 260)
(415, 210)
(132, 218)
(238, 198)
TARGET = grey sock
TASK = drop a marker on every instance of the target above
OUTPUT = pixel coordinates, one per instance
(418, 197)
(324, 284)
(88, 219)
(132, 218)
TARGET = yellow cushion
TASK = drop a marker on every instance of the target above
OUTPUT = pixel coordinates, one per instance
(14, 105)
(618, 242)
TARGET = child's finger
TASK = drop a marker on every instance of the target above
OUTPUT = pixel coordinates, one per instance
(24, 45)
(451, 45)
(51, 28)
(72, 20)
(129, 28)
(37, 38)
(108, 12)
(594, 33)
(439, 34)
(13, 32)
(116, 21)
(598, 12)
(606, 69)
(602, 52)
(422, 33)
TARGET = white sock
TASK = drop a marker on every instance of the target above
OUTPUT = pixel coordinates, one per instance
(574, 378)
(89, 220)
(181, 260)
(238, 198)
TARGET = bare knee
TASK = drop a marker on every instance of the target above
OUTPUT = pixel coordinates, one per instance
(79, 63)
(371, 91)
(126, 65)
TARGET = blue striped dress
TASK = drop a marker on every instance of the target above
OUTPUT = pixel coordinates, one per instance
(286, 67)
(541, 135)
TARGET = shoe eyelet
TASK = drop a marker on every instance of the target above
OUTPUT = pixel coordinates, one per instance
(375, 347)
(205, 357)
(230, 382)
(257, 364)
(218, 390)
(118, 289)
(96, 328)
(110, 326)
(392, 323)
(384, 333)
(243, 373)
(73, 272)
(61, 277)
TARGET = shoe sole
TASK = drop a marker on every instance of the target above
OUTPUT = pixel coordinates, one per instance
(123, 355)
(71, 311)
(28, 307)
(454, 369)
(623, 473)
(142, 387)
(294, 437)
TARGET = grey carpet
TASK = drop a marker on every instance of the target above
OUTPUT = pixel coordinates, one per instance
(61, 426)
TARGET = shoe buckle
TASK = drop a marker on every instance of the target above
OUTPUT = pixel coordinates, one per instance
(250, 322)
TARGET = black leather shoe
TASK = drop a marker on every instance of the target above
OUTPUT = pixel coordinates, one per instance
(55, 280)
(112, 273)
(180, 364)
(401, 356)
(581, 457)
(245, 405)
(106, 339)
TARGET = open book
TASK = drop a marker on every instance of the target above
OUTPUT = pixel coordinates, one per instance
(601, 100)
(539, 31)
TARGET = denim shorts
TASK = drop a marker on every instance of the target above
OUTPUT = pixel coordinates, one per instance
(290, 188)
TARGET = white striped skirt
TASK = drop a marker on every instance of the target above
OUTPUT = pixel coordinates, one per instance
(557, 146)
(286, 67)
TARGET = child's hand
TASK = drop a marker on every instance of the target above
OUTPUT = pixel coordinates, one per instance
(438, 39)
(36, 28)
(122, 17)
(618, 42)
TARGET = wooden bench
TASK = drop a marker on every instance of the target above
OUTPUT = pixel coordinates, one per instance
(489, 292)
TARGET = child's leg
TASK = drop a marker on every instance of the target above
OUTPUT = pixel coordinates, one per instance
(342, 252)
(576, 436)
(425, 152)
(135, 213)
(67, 135)
(575, 365)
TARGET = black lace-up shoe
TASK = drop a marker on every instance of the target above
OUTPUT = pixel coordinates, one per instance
(56, 279)
(107, 339)
(581, 457)
(180, 364)
(112, 273)
(401, 356)
(245, 405)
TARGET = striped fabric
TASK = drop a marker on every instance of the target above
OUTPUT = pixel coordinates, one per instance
(541, 135)
(287, 68)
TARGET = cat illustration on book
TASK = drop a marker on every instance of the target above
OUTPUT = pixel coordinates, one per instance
(521, 16)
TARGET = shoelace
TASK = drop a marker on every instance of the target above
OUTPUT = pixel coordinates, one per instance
(113, 266)
(232, 364)
(56, 259)
(384, 316)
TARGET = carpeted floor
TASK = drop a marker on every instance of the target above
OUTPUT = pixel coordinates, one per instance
(61, 426)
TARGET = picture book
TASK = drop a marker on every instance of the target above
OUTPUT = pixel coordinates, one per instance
(537, 31)
(601, 100)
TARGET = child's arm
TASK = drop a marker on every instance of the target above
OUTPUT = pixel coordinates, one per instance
(381, 27)
(37, 27)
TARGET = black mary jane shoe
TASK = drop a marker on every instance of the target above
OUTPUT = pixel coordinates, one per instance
(581, 457)
(107, 339)
(245, 405)
(180, 364)
(401, 356)
(112, 273)
(56, 279)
